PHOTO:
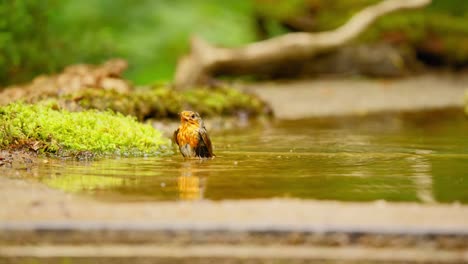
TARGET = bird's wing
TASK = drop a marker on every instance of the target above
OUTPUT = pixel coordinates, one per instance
(204, 148)
(175, 136)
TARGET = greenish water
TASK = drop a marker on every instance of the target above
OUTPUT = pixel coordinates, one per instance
(419, 157)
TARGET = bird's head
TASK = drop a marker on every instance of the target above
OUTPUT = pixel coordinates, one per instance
(190, 117)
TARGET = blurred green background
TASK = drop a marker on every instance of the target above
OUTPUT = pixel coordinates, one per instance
(39, 37)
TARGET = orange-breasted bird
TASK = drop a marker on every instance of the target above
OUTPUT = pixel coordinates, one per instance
(192, 137)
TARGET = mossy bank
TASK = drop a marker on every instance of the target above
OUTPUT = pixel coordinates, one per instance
(45, 128)
(83, 87)
(164, 102)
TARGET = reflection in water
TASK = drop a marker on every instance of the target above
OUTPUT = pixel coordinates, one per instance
(422, 178)
(189, 185)
(82, 183)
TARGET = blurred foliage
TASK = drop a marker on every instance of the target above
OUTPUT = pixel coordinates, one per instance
(44, 36)
(439, 31)
(24, 38)
(46, 128)
(280, 9)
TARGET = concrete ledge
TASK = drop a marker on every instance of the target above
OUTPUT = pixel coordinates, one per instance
(231, 253)
(108, 232)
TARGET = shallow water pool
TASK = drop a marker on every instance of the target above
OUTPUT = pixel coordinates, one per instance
(394, 157)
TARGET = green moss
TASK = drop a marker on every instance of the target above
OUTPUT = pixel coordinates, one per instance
(162, 101)
(221, 101)
(47, 129)
(141, 103)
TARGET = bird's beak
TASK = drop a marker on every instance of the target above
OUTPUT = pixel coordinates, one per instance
(182, 117)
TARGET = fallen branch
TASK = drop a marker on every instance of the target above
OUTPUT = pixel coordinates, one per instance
(206, 59)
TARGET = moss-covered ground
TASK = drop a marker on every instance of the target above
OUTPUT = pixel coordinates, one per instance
(164, 102)
(45, 128)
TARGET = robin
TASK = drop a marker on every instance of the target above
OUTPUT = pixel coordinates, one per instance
(192, 137)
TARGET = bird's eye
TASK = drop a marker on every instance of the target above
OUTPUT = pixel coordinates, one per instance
(193, 116)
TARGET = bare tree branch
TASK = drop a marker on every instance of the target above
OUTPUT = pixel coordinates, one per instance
(204, 59)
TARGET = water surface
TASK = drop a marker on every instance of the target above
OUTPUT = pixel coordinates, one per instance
(393, 157)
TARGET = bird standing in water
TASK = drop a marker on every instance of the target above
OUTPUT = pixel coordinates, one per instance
(192, 137)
